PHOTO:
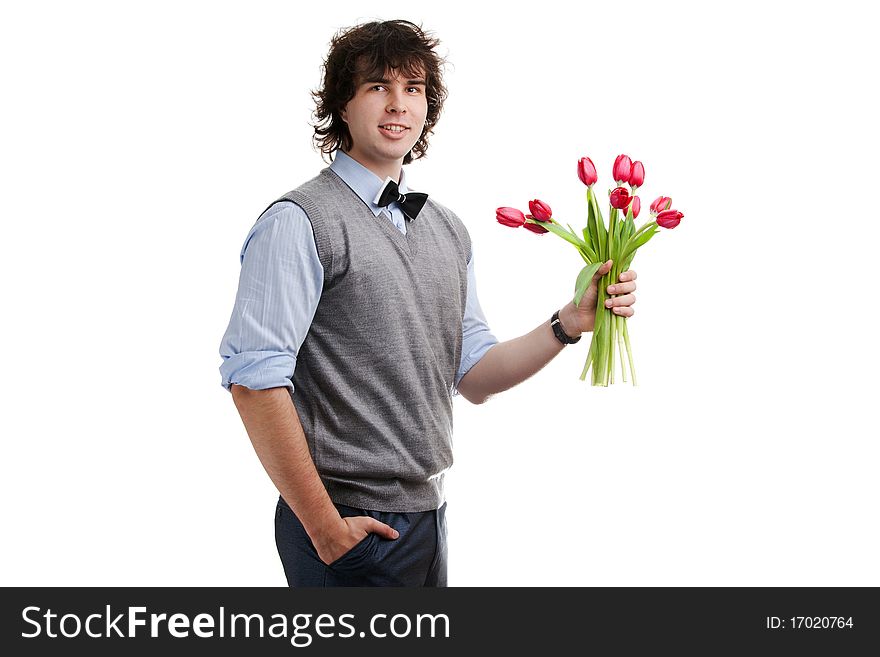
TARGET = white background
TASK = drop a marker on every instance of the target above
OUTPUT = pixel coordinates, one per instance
(141, 142)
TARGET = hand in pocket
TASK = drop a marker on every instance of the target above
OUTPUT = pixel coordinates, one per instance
(348, 534)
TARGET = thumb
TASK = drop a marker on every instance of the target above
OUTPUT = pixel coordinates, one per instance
(605, 268)
(383, 530)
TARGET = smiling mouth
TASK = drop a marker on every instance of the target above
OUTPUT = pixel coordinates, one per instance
(393, 129)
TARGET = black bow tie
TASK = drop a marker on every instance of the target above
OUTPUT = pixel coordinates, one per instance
(411, 202)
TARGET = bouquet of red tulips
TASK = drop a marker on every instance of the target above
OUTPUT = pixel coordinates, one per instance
(596, 244)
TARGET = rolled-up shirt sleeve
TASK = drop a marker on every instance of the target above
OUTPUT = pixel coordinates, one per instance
(278, 292)
(477, 338)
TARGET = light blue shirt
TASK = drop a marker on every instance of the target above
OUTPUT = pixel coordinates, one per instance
(280, 287)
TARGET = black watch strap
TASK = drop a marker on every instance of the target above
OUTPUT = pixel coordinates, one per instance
(556, 325)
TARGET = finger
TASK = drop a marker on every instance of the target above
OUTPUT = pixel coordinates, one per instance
(621, 288)
(617, 302)
(604, 269)
(383, 530)
(624, 311)
(370, 525)
(628, 275)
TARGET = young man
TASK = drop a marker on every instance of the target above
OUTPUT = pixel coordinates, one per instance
(357, 320)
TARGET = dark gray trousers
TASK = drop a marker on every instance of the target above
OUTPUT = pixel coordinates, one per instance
(415, 558)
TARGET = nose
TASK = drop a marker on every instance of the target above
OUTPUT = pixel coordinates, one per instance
(395, 103)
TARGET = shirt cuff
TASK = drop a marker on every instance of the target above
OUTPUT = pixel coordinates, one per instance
(472, 359)
(258, 370)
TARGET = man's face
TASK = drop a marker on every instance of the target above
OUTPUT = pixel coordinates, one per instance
(394, 100)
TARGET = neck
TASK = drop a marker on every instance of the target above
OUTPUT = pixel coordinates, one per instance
(381, 169)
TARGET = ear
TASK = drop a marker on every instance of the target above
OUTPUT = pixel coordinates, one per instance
(342, 114)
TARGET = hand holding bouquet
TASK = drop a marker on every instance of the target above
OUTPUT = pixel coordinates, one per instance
(596, 244)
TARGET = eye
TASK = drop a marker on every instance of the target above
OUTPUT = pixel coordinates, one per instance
(376, 86)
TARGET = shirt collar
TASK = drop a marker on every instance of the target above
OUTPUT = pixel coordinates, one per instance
(362, 181)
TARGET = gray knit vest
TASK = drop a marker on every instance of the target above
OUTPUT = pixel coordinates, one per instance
(374, 377)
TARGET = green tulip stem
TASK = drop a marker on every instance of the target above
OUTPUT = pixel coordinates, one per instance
(611, 344)
(632, 368)
(587, 363)
(621, 321)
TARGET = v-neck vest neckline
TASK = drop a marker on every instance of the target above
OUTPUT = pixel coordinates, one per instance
(408, 243)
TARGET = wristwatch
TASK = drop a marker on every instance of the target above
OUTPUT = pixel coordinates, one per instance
(556, 325)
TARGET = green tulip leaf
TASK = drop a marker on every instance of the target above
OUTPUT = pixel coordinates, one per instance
(600, 227)
(587, 254)
(640, 240)
(629, 227)
(596, 226)
(589, 248)
(561, 232)
(615, 229)
(584, 279)
(585, 246)
(591, 230)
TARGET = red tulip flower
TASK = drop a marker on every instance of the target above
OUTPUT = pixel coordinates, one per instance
(636, 206)
(637, 175)
(587, 171)
(622, 169)
(660, 204)
(535, 228)
(540, 210)
(510, 217)
(669, 218)
(620, 198)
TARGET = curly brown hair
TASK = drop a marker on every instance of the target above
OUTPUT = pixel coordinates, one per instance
(366, 52)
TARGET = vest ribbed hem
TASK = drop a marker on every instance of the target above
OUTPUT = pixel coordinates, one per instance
(389, 495)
